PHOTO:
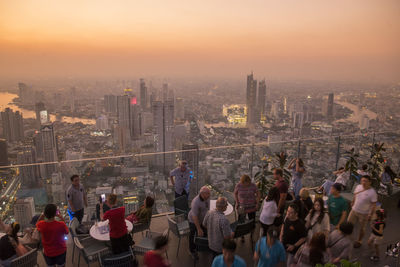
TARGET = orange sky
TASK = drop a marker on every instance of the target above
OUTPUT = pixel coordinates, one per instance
(289, 39)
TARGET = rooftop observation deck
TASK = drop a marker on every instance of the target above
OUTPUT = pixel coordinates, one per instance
(159, 224)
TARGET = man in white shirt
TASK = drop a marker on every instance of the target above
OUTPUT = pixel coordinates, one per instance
(363, 206)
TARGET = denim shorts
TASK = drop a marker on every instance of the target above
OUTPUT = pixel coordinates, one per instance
(57, 260)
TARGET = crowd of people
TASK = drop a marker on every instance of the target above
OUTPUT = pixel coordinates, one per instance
(295, 230)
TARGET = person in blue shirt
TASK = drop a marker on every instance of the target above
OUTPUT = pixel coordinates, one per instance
(228, 257)
(269, 250)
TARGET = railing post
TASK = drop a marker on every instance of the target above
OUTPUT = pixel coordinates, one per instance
(337, 153)
(298, 148)
(252, 161)
(197, 168)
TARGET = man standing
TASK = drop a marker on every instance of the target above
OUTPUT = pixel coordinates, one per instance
(337, 206)
(293, 233)
(76, 197)
(363, 206)
(199, 208)
(183, 176)
(283, 187)
(218, 227)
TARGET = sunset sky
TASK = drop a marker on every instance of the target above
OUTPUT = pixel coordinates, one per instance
(287, 39)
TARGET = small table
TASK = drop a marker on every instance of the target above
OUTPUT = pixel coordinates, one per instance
(94, 232)
(228, 210)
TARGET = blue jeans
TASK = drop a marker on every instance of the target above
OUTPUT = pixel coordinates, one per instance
(297, 185)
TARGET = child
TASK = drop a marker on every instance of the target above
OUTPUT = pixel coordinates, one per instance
(376, 236)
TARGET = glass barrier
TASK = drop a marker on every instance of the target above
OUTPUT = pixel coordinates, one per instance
(146, 173)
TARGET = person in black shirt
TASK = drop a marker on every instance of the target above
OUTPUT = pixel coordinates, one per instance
(376, 236)
(293, 232)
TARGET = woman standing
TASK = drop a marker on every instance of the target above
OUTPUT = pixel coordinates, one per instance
(297, 167)
(269, 210)
(317, 220)
(247, 198)
(119, 237)
(313, 253)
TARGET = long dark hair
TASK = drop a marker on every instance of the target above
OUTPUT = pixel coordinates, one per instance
(322, 212)
(301, 163)
(317, 249)
(273, 194)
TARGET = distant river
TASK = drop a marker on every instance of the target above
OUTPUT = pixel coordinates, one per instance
(6, 102)
(357, 112)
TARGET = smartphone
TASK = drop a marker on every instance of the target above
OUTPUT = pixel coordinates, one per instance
(103, 198)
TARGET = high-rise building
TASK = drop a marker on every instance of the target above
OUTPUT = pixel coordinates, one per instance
(30, 174)
(24, 209)
(13, 128)
(3, 153)
(143, 94)
(251, 97)
(24, 94)
(179, 109)
(327, 107)
(261, 98)
(298, 120)
(41, 113)
(163, 127)
(50, 148)
(124, 114)
(110, 104)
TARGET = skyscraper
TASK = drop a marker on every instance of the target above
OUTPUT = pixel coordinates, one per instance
(110, 104)
(72, 100)
(163, 127)
(29, 175)
(3, 153)
(143, 94)
(13, 128)
(261, 98)
(24, 94)
(251, 97)
(327, 107)
(50, 148)
(39, 106)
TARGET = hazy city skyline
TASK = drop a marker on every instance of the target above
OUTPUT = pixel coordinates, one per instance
(316, 40)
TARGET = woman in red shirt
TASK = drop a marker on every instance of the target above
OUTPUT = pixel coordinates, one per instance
(53, 235)
(155, 258)
(119, 237)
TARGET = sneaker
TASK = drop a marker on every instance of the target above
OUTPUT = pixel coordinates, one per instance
(357, 244)
(374, 258)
